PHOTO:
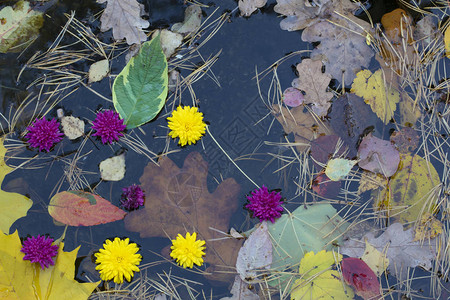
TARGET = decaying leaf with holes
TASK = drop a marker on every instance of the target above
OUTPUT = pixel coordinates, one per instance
(371, 181)
(314, 83)
(381, 98)
(178, 200)
(428, 227)
(302, 124)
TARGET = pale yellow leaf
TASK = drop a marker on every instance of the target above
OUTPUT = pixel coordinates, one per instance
(375, 259)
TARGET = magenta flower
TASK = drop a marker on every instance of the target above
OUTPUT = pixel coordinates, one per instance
(132, 197)
(108, 126)
(265, 205)
(39, 250)
(43, 134)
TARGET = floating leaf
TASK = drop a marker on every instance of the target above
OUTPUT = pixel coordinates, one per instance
(255, 254)
(19, 26)
(124, 17)
(317, 280)
(247, 7)
(180, 201)
(382, 99)
(169, 41)
(406, 140)
(20, 279)
(338, 168)
(376, 260)
(192, 20)
(310, 228)
(13, 206)
(113, 168)
(409, 189)
(358, 274)
(98, 70)
(325, 187)
(241, 291)
(377, 155)
(293, 97)
(447, 42)
(140, 89)
(75, 208)
(72, 127)
(428, 227)
(371, 181)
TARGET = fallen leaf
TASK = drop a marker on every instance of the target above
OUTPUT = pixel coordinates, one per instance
(382, 99)
(19, 26)
(192, 20)
(98, 70)
(324, 147)
(20, 279)
(72, 127)
(170, 41)
(302, 124)
(241, 291)
(377, 155)
(180, 202)
(113, 168)
(293, 97)
(318, 280)
(247, 7)
(307, 228)
(314, 83)
(376, 260)
(338, 168)
(124, 17)
(409, 112)
(371, 181)
(426, 30)
(402, 250)
(393, 22)
(447, 42)
(255, 254)
(409, 188)
(79, 208)
(13, 205)
(140, 90)
(428, 227)
(406, 140)
(325, 187)
(358, 274)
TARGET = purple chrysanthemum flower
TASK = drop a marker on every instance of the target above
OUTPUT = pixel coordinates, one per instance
(265, 205)
(132, 197)
(108, 126)
(43, 134)
(40, 250)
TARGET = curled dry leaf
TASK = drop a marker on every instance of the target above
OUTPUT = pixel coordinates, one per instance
(314, 83)
(113, 168)
(377, 155)
(247, 7)
(124, 17)
(180, 202)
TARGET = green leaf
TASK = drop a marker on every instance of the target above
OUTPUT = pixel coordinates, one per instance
(18, 26)
(140, 90)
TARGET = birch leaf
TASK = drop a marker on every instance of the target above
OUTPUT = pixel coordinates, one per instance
(338, 168)
(124, 17)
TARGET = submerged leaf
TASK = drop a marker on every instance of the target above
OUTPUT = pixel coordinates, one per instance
(375, 259)
(241, 291)
(140, 89)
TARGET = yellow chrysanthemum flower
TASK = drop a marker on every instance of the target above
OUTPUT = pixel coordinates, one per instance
(118, 259)
(187, 124)
(188, 251)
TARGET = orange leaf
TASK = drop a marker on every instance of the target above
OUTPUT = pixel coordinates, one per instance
(79, 208)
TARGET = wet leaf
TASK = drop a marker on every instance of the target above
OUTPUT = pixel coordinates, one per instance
(113, 168)
(241, 291)
(371, 181)
(72, 127)
(293, 97)
(324, 147)
(192, 20)
(255, 254)
(409, 189)
(376, 260)
(77, 208)
(338, 168)
(428, 227)
(180, 202)
(377, 155)
(140, 90)
(402, 250)
(447, 42)
(19, 26)
(314, 83)
(358, 274)
(98, 70)
(318, 280)
(124, 17)
(409, 111)
(310, 228)
(13, 206)
(406, 140)
(382, 99)
(302, 124)
(325, 187)
(169, 41)
(247, 7)
(20, 279)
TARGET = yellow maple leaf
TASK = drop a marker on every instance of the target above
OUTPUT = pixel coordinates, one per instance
(317, 280)
(20, 279)
(381, 98)
(12, 205)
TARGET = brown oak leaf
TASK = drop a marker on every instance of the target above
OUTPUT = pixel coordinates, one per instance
(178, 200)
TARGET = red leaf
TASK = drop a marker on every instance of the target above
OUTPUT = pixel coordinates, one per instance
(325, 187)
(77, 208)
(359, 275)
